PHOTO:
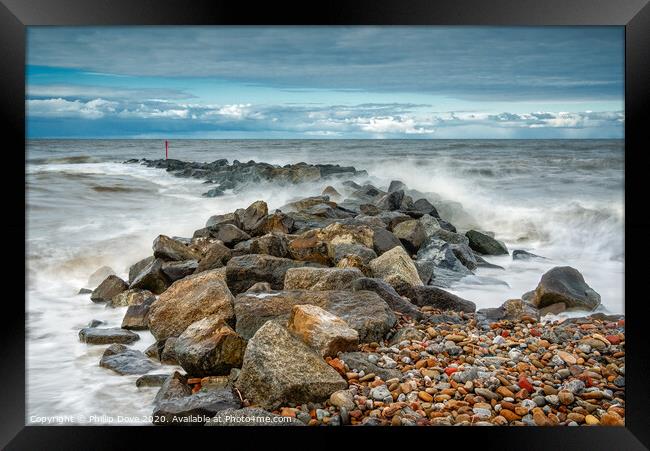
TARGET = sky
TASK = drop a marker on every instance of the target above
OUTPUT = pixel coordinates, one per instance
(325, 82)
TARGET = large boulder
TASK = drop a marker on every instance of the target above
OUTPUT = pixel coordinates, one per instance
(485, 244)
(279, 222)
(123, 360)
(309, 247)
(396, 268)
(338, 252)
(320, 278)
(391, 201)
(169, 249)
(132, 297)
(425, 270)
(396, 185)
(307, 203)
(383, 240)
(189, 300)
(216, 256)
(326, 333)
(411, 234)
(429, 224)
(426, 207)
(152, 278)
(465, 255)
(437, 298)
(136, 317)
(228, 234)
(175, 270)
(564, 284)
(275, 244)
(364, 311)
(228, 218)
(392, 218)
(110, 287)
(441, 255)
(244, 271)
(209, 347)
(389, 295)
(136, 269)
(175, 404)
(253, 219)
(342, 233)
(97, 336)
(279, 369)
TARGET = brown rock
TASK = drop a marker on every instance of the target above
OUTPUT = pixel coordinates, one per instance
(326, 333)
(216, 256)
(189, 300)
(209, 347)
(110, 287)
(396, 268)
(319, 279)
(132, 297)
(309, 247)
(168, 249)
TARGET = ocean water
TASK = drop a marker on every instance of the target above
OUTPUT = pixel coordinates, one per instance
(562, 199)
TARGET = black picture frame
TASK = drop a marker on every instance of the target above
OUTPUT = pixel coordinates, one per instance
(16, 15)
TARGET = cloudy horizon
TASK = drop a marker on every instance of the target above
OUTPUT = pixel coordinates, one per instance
(325, 82)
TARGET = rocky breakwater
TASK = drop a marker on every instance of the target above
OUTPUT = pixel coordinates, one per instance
(336, 313)
(235, 175)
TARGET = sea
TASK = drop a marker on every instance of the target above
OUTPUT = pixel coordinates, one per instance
(561, 199)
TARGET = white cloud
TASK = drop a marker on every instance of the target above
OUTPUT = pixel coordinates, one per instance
(391, 125)
(324, 120)
(93, 109)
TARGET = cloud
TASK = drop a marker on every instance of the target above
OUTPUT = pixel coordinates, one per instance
(88, 92)
(375, 120)
(61, 108)
(476, 63)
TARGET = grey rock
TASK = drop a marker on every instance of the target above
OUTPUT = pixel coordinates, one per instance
(216, 256)
(136, 317)
(110, 287)
(176, 405)
(123, 360)
(485, 244)
(151, 380)
(388, 294)
(438, 298)
(151, 278)
(175, 270)
(278, 368)
(97, 336)
(566, 285)
(384, 240)
(364, 311)
(244, 271)
(169, 249)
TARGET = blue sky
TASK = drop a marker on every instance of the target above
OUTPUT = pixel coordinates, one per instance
(325, 82)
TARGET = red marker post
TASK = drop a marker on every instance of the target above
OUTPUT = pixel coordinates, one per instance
(166, 149)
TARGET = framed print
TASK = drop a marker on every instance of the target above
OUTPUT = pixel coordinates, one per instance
(370, 214)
